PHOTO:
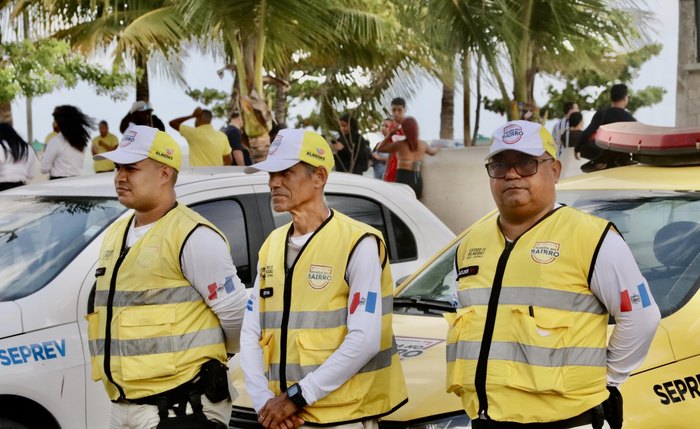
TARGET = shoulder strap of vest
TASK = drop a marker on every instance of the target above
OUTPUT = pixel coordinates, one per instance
(383, 259)
(597, 249)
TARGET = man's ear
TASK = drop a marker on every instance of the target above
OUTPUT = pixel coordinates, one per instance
(556, 170)
(320, 177)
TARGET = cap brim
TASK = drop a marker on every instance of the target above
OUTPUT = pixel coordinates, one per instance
(531, 152)
(120, 157)
(271, 165)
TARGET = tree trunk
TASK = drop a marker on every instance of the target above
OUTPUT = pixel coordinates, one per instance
(281, 90)
(477, 109)
(466, 97)
(142, 89)
(447, 111)
(6, 112)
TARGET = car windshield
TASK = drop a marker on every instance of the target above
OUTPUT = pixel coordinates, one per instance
(40, 235)
(661, 228)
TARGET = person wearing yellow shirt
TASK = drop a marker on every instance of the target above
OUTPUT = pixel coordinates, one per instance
(208, 147)
(105, 142)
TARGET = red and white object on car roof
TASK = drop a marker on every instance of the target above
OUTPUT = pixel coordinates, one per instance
(652, 144)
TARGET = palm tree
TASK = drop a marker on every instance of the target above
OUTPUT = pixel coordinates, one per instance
(139, 28)
(265, 35)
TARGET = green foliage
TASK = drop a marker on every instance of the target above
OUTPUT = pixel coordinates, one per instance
(31, 69)
(215, 100)
(589, 85)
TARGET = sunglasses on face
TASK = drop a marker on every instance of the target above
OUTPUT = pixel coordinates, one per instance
(524, 167)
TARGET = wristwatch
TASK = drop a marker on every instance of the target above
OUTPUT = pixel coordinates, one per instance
(294, 393)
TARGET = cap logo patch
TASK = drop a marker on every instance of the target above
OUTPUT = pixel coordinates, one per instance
(512, 134)
(275, 145)
(320, 151)
(128, 138)
(319, 276)
(545, 252)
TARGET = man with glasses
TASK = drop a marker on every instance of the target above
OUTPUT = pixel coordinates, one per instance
(536, 283)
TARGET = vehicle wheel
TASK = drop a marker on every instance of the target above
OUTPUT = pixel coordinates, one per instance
(8, 424)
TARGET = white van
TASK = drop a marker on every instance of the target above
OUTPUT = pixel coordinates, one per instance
(50, 236)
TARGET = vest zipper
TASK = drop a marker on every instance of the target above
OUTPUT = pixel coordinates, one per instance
(108, 328)
(487, 337)
(286, 305)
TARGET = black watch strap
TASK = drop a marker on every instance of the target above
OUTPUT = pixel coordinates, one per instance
(294, 393)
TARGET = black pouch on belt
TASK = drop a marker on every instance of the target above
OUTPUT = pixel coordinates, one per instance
(214, 381)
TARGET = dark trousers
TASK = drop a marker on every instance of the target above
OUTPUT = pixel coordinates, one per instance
(412, 179)
(10, 185)
(594, 417)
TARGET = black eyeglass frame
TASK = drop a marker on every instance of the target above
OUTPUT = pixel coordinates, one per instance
(525, 164)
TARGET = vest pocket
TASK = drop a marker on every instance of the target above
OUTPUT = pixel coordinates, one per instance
(266, 344)
(93, 320)
(314, 348)
(461, 366)
(537, 356)
(146, 343)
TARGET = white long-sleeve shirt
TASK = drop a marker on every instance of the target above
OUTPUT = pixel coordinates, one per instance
(361, 343)
(207, 265)
(614, 272)
(17, 171)
(61, 159)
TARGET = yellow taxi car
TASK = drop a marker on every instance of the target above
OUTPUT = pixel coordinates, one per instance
(657, 209)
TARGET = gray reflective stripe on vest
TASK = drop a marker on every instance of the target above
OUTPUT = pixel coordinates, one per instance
(170, 344)
(532, 355)
(124, 298)
(315, 319)
(296, 372)
(549, 298)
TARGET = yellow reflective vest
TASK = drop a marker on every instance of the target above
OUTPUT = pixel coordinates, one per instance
(303, 319)
(151, 331)
(528, 343)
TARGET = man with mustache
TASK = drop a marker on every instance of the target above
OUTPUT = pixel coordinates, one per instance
(317, 344)
(536, 283)
(168, 303)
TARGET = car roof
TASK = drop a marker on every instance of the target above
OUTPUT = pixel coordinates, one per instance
(102, 185)
(636, 177)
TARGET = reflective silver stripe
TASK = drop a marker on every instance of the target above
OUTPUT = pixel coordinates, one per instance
(296, 372)
(173, 295)
(315, 319)
(532, 355)
(170, 344)
(549, 298)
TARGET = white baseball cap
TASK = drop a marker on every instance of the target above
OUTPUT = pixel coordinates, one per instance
(292, 146)
(140, 106)
(140, 142)
(523, 136)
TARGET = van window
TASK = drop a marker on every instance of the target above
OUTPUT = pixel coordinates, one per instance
(229, 217)
(41, 235)
(398, 236)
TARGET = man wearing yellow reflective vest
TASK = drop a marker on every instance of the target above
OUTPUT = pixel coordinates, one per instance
(168, 303)
(317, 344)
(536, 282)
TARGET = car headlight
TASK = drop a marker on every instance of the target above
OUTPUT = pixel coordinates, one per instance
(458, 421)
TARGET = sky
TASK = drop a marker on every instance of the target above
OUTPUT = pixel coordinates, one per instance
(169, 100)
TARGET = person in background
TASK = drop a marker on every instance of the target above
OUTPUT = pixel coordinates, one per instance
(167, 296)
(352, 152)
(586, 147)
(379, 159)
(409, 153)
(64, 155)
(105, 142)
(18, 161)
(562, 126)
(208, 147)
(333, 361)
(537, 283)
(141, 113)
(398, 112)
(241, 155)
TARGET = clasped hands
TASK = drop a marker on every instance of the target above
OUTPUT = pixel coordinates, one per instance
(280, 413)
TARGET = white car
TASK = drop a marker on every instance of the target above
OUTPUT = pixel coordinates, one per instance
(50, 235)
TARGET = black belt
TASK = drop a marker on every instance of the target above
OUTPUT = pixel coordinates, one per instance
(594, 417)
(173, 396)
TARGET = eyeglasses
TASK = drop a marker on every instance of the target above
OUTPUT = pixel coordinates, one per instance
(524, 167)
